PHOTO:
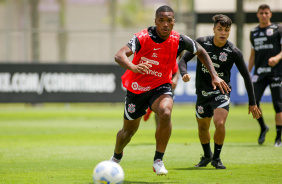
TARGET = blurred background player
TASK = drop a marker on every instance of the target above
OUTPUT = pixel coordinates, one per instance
(148, 80)
(266, 55)
(212, 103)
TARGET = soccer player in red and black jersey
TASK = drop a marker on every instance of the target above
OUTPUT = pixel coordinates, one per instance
(213, 103)
(148, 80)
(266, 56)
(174, 80)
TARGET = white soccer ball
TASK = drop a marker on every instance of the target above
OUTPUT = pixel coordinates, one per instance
(108, 172)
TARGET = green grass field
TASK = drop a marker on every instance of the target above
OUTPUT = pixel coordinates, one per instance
(62, 143)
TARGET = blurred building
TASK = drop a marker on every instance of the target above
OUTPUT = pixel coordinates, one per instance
(91, 31)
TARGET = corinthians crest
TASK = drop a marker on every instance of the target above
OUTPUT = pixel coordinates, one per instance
(200, 110)
(223, 56)
(131, 108)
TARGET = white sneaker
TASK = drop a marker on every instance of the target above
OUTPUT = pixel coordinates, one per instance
(113, 159)
(159, 168)
(278, 144)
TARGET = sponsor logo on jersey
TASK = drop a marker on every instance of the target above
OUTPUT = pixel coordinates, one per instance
(216, 65)
(204, 93)
(255, 78)
(154, 55)
(200, 110)
(155, 73)
(223, 56)
(255, 34)
(150, 61)
(263, 70)
(156, 48)
(135, 86)
(221, 97)
(261, 34)
(131, 108)
(273, 85)
(269, 32)
(207, 43)
(214, 57)
(227, 49)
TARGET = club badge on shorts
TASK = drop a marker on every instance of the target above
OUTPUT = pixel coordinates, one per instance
(131, 108)
(200, 110)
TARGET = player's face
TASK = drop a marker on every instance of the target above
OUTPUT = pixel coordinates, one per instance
(164, 22)
(264, 16)
(221, 35)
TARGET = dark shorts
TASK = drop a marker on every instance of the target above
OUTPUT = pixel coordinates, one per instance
(137, 104)
(275, 85)
(206, 105)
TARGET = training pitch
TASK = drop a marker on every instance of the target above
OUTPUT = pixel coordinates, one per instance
(62, 143)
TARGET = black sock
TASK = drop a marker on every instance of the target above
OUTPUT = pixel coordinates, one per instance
(207, 150)
(118, 156)
(217, 150)
(261, 123)
(278, 130)
(158, 155)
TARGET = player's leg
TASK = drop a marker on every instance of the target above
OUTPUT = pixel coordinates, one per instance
(156, 120)
(162, 106)
(161, 103)
(204, 115)
(276, 92)
(259, 88)
(147, 115)
(135, 108)
(219, 118)
(204, 136)
(124, 136)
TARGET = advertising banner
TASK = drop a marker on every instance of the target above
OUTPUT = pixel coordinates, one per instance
(36, 83)
(60, 83)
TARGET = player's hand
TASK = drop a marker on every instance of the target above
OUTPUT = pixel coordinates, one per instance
(223, 87)
(186, 78)
(255, 111)
(142, 68)
(273, 61)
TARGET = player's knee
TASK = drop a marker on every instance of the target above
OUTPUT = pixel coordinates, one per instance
(277, 107)
(203, 128)
(165, 115)
(219, 125)
(128, 134)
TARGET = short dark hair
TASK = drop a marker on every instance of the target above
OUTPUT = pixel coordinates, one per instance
(264, 6)
(164, 8)
(223, 20)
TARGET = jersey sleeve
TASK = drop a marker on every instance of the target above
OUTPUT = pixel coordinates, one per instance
(189, 44)
(280, 32)
(251, 39)
(134, 44)
(242, 67)
(182, 64)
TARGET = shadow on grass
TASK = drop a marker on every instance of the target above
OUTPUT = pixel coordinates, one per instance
(248, 145)
(142, 144)
(195, 168)
(142, 182)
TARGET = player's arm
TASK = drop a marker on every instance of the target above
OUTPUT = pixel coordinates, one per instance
(216, 80)
(251, 60)
(175, 79)
(275, 59)
(182, 65)
(121, 58)
(241, 65)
